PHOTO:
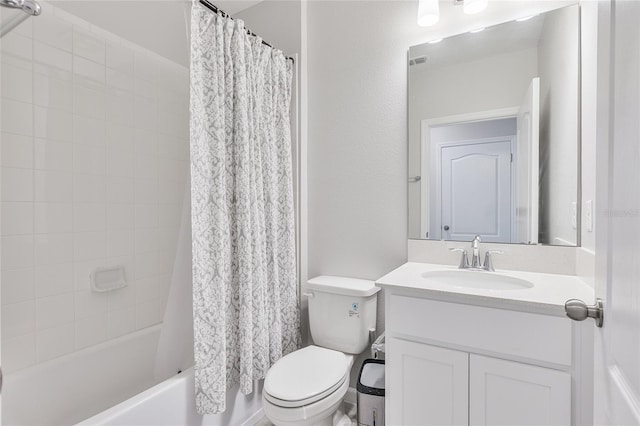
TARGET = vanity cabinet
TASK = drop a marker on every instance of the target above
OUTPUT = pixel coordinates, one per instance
(459, 364)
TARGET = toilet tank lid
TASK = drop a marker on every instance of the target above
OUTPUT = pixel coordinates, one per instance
(343, 285)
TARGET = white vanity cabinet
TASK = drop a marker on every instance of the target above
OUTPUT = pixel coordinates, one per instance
(459, 364)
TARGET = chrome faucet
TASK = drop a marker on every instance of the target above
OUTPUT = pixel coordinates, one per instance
(475, 258)
(475, 247)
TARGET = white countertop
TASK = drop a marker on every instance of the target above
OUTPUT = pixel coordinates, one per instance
(547, 296)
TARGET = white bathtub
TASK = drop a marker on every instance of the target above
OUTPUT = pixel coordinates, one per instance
(65, 390)
(172, 402)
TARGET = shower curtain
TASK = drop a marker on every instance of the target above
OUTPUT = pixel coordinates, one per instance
(245, 303)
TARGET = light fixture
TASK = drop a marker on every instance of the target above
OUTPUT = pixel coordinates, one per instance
(474, 6)
(428, 12)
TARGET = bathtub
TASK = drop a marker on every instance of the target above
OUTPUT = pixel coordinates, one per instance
(172, 402)
(68, 389)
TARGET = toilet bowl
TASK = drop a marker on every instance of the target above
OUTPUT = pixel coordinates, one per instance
(307, 387)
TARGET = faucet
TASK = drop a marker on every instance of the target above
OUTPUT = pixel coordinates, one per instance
(475, 247)
(475, 259)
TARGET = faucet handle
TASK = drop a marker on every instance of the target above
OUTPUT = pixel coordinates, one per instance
(488, 259)
(464, 261)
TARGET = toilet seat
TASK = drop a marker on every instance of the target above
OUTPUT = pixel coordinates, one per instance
(306, 376)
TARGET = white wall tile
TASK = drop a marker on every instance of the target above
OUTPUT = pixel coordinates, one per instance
(50, 56)
(52, 92)
(53, 124)
(147, 216)
(146, 240)
(16, 83)
(89, 46)
(119, 80)
(121, 322)
(120, 189)
(54, 311)
(119, 58)
(17, 151)
(120, 243)
(90, 102)
(89, 158)
(91, 73)
(146, 142)
(17, 218)
(18, 319)
(146, 265)
(147, 289)
(88, 130)
(120, 159)
(149, 313)
(120, 217)
(89, 188)
(51, 249)
(145, 113)
(53, 155)
(120, 107)
(17, 184)
(91, 330)
(54, 31)
(53, 217)
(17, 286)
(17, 117)
(145, 68)
(53, 280)
(54, 342)
(17, 252)
(146, 166)
(89, 303)
(146, 191)
(90, 245)
(89, 217)
(17, 50)
(53, 186)
(18, 352)
(144, 89)
(119, 134)
(123, 298)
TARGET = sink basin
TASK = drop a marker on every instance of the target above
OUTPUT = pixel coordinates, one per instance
(476, 279)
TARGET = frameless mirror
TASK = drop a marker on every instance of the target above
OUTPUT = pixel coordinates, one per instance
(493, 133)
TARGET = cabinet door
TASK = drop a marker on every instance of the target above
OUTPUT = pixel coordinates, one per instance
(426, 385)
(510, 393)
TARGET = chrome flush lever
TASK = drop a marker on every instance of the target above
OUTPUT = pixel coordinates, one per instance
(579, 311)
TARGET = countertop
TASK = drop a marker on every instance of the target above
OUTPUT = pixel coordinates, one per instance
(547, 296)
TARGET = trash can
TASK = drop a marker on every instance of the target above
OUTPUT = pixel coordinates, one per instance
(371, 393)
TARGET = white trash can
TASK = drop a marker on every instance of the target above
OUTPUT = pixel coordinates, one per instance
(370, 389)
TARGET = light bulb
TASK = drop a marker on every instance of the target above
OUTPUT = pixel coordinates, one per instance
(428, 12)
(474, 6)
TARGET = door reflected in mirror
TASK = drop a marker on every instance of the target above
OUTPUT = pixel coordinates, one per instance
(493, 133)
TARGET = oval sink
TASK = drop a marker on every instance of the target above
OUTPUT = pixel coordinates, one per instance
(476, 279)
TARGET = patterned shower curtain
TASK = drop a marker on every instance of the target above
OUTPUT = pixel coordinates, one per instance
(245, 304)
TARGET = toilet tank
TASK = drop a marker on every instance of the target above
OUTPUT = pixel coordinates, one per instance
(341, 312)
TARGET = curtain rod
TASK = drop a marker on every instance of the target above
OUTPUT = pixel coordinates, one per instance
(215, 9)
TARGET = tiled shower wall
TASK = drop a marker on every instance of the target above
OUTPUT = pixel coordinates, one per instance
(94, 169)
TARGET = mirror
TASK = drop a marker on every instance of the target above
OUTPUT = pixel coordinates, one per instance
(494, 133)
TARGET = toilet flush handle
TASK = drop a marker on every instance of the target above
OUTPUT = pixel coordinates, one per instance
(309, 294)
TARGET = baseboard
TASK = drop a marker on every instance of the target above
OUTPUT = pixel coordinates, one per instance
(255, 417)
(352, 396)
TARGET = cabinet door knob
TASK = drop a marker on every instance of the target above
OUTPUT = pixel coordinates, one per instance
(446, 227)
(577, 310)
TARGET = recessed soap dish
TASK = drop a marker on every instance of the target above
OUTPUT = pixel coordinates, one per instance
(107, 279)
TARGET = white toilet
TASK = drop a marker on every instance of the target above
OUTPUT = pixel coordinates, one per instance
(307, 386)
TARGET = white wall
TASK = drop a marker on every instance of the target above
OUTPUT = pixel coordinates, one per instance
(94, 167)
(558, 61)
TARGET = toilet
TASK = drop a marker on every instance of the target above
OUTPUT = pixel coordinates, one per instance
(307, 387)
